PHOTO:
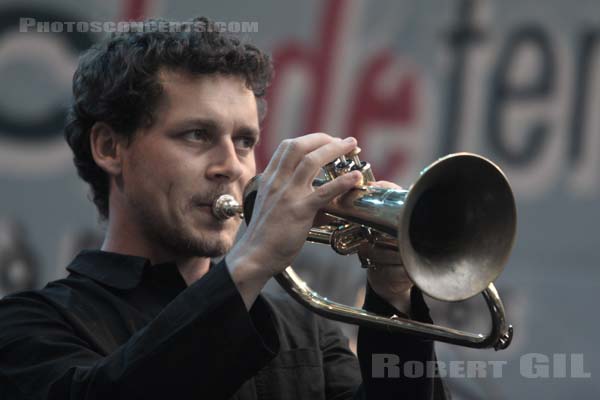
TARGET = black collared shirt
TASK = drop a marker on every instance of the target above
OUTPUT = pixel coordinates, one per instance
(120, 327)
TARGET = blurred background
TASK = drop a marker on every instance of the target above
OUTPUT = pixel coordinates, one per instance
(517, 81)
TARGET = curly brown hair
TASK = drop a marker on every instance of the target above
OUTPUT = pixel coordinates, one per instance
(116, 82)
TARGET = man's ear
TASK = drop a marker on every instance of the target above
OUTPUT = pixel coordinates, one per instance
(107, 148)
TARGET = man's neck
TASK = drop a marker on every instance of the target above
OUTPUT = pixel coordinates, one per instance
(193, 269)
(125, 240)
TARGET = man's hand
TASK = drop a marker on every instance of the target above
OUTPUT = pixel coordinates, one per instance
(389, 278)
(285, 206)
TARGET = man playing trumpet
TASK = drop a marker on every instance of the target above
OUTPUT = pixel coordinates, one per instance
(162, 123)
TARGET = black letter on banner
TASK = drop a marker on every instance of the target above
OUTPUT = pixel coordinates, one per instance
(460, 37)
(52, 121)
(585, 56)
(502, 93)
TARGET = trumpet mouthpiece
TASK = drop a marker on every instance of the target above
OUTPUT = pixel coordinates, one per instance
(226, 206)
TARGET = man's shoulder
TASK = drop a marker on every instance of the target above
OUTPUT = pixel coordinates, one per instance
(51, 299)
(32, 312)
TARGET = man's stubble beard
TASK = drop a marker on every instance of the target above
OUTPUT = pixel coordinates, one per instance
(180, 239)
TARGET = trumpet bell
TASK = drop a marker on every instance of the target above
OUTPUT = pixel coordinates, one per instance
(458, 227)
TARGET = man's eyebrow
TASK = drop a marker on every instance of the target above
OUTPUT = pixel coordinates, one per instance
(192, 123)
(249, 131)
(195, 123)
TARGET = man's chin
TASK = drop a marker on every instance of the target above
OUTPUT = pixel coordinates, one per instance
(205, 239)
(208, 245)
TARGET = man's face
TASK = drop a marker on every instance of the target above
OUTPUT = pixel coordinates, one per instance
(201, 145)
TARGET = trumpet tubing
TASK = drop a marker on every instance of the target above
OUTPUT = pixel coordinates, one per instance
(454, 229)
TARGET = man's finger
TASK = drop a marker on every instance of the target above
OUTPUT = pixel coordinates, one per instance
(327, 192)
(291, 151)
(386, 185)
(311, 164)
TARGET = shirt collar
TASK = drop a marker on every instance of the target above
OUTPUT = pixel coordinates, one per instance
(119, 271)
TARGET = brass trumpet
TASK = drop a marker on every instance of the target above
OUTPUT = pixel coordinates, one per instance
(454, 229)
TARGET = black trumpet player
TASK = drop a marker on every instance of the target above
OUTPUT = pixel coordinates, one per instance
(161, 124)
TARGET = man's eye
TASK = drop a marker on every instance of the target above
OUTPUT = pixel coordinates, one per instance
(245, 142)
(198, 135)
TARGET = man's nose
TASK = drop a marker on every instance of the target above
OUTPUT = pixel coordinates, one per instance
(225, 164)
